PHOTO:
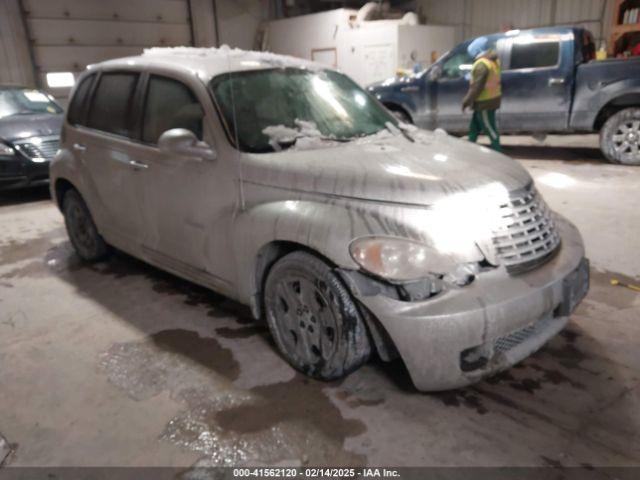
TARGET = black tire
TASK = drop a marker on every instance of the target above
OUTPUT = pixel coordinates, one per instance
(620, 137)
(86, 240)
(313, 318)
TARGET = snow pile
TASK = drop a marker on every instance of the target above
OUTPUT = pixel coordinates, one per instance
(305, 137)
(252, 58)
(424, 137)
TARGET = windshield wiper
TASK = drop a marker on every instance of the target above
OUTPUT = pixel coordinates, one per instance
(395, 130)
(284, 144)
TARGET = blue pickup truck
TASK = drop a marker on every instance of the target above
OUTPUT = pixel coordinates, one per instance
(551, 84)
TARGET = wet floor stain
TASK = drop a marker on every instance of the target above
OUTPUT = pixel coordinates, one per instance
(246, 331)
(462, 398)
(16, 250)
(292, 421)
(361, 398)
(551, 462)
(272, 408)
(140, 369)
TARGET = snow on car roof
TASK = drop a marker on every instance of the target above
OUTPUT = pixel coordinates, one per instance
(209, 62)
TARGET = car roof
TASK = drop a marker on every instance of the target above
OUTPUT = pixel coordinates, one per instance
(530, 31)
(206, 63)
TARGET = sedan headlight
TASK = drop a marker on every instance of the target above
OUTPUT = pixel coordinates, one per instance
(398, 259)
(6, 150)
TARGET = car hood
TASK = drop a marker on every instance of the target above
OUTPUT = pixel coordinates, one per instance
(390, 168)
(24, 126)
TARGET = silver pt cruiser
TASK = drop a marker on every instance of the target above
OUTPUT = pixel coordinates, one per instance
(282, 184)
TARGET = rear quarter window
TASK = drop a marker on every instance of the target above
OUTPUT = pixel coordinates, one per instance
(534, 55)
(78, 105)
(113, 102)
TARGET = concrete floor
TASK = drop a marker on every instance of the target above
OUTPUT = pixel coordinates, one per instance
(121, 364)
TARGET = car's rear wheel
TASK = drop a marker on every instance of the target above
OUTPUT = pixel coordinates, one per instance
(620, 137)
(313, 318)
(86, 240)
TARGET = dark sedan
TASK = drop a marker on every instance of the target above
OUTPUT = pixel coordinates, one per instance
(30, 122)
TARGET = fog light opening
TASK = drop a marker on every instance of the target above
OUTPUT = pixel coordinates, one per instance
(474, 358)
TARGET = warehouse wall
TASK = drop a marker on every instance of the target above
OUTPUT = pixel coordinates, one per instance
(477, 17)
(67, 35)
(15, 63)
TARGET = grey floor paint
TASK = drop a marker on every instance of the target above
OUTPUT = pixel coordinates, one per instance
(121, 364)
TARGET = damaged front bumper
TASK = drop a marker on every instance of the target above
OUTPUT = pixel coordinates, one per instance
(464, 334)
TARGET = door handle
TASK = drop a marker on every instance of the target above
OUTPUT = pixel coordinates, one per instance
(80, 147)
(138, 165)
(556, 81)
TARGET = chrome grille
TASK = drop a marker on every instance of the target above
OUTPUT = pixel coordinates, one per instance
(526, 235)
(43, 148)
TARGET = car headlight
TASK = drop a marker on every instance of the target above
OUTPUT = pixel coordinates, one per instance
(6, 150)
(398, 259)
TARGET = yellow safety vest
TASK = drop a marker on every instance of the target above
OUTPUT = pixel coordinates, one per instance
(492, 88)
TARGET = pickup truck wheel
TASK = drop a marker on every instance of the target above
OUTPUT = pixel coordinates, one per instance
(313, 318)
(401, 115)
(620, 137)
(86, 240)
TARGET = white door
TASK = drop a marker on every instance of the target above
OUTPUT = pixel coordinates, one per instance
(184, 198)
(105, 145)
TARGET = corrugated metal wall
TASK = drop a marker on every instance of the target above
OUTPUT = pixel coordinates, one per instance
(67, 35)
(15, 63)
(478, 17)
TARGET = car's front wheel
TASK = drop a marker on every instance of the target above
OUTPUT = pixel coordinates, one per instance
(620, 137)
(313, 318)
(86, 240)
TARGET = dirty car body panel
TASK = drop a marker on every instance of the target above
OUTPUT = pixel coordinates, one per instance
(223, 223)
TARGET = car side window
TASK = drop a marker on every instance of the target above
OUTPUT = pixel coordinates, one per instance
(458, 65)
(170, 104)
(79, 101)
(534, 54)
(113, 102)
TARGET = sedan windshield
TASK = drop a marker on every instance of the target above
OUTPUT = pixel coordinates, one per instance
(275, 108)
(23, 101)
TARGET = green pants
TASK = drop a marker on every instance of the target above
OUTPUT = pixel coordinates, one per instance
(484, 121)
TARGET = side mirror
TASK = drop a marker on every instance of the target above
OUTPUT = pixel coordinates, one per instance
(183, 142)
(435, 72)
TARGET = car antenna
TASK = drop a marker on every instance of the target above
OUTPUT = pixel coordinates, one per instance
(235, 130)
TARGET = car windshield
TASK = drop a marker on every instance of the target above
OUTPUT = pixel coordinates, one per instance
(23, 101)
(276, 108)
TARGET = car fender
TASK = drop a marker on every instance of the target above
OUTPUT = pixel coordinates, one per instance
(65, 166)
(322, 227)
(326, 226)
(586, 112)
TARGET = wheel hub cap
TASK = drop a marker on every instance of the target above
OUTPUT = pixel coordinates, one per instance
(308, 325)
(626, 140)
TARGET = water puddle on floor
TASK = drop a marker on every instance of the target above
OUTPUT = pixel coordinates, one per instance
(292, 422)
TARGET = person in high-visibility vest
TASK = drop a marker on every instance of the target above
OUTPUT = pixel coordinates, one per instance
(485, 92)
